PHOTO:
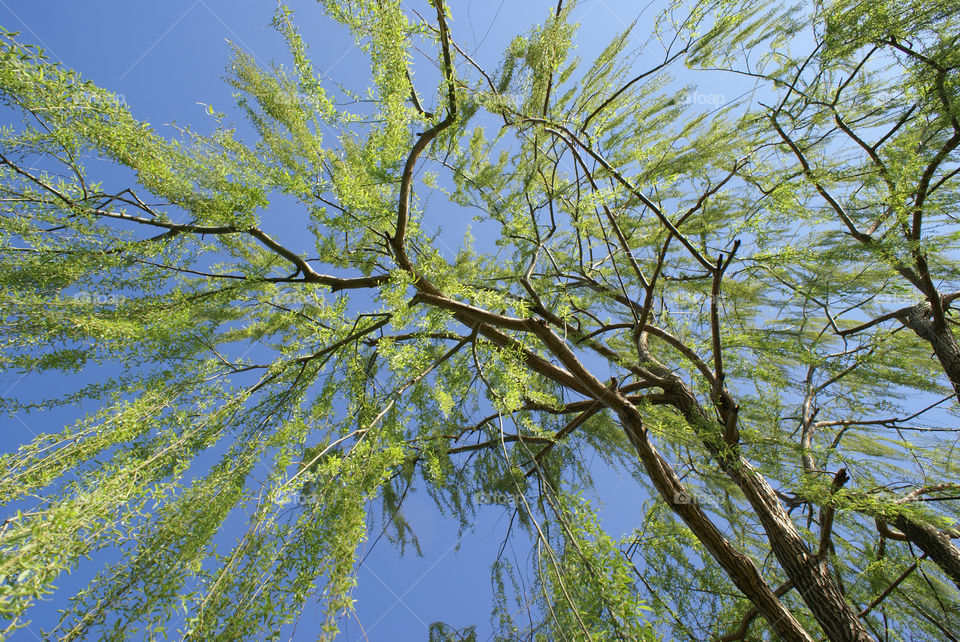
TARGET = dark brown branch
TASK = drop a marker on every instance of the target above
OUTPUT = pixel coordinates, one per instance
(397, 241)
(891, 588)
(473, 313)
(579, 420)
(174, 229)
(625, 87)
(726, 406)
(751, 615)
(896, 314)
(802, 159)
(565, 134)
(527, 439)
(827, 513)
(416, 99)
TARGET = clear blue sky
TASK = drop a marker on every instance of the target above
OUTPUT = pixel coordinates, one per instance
(167, 60)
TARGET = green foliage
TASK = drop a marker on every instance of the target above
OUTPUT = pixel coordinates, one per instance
(761, 288)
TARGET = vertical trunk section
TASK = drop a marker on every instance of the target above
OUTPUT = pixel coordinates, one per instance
(739, 567)
(932, 541)
(810, 574)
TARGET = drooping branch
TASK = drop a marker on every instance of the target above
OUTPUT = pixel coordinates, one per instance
(571, 139)
(890, 589)
(309, 275)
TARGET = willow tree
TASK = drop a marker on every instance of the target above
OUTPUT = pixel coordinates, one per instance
(749, 309)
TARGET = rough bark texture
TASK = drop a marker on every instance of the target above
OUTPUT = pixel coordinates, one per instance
(810, 574)
(934, 542)
(940, 338)
(739, 567)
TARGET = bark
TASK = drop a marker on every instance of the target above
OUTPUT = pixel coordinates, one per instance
(934, 542)
(809, 573)
(940, 338)
(738, 566)
(931, 540)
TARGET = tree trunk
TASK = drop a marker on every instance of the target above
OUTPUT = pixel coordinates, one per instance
(934, 542)
(941, 339)
(739, 567)
(810, 574)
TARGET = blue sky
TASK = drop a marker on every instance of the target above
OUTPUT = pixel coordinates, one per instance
(167, 59)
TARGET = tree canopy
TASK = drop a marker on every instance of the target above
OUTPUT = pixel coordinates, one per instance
(749, 307)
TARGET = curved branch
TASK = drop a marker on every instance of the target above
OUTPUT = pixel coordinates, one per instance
(406, 179)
